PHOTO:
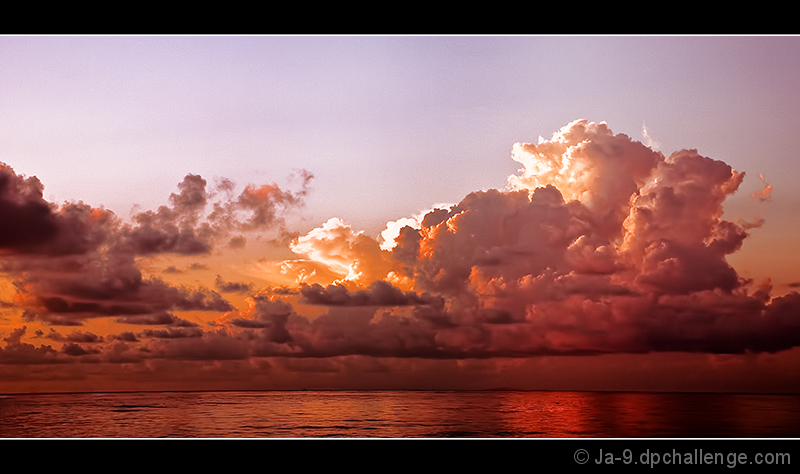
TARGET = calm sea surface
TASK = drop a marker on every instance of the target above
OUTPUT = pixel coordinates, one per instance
(389, 414)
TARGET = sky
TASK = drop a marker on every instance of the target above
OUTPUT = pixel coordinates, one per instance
(399, 212)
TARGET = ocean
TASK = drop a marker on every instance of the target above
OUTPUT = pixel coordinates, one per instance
(398, 414)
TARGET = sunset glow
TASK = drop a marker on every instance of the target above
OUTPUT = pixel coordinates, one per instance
(302, 241)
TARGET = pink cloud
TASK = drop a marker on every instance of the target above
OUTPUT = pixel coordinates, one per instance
(600, 245)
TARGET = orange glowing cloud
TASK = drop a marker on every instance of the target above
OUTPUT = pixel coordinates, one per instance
(354, 256)
(600, 245)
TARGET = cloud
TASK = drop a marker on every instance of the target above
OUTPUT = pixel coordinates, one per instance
(73, 349)
(268, 315)
(257, 207)
(379, 293)
(586, 162)
(185, 227)
(352, 255)
(157, 319)
(599, 245)
(18, 352)
(197, 346)
(232, 287)
(648, 139)
(766, 193)
(172, 333)
(33, 226)
(73, 262)
(73, 296)
(75, 336)
(27, 218)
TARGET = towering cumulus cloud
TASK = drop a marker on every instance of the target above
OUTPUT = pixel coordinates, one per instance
(598, 245)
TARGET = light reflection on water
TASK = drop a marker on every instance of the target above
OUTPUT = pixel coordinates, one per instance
(390, 414)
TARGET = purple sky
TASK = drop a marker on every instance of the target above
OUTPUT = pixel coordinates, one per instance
(116, 119)
(388, 125)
